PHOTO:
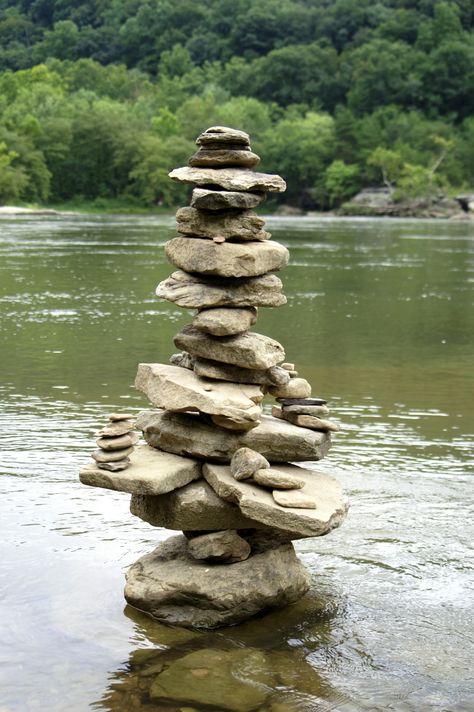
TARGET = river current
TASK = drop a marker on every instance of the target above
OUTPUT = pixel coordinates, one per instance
(380, 319)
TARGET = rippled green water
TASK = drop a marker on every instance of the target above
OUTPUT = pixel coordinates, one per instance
(380, 318)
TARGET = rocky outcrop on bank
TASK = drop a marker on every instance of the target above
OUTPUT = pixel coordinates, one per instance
(381, 202)
(214, 466)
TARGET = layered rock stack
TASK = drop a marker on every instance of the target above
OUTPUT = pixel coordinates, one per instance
(214, 466)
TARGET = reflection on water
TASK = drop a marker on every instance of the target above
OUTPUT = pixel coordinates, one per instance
(380, 319)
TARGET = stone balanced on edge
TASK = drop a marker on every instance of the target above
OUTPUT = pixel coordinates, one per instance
(214, 467)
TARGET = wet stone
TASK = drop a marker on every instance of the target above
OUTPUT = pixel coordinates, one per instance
(246, 462)
(206, 199)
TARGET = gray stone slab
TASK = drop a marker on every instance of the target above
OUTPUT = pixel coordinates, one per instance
(230, 178)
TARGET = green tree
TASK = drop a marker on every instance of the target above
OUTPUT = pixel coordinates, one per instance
(341, 182)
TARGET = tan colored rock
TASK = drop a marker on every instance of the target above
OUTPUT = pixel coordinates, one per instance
(229, 259)
(247, 350)
(183, 360)
(193, 436)
(223, 134)
(277, 479)
(222, 158)
(294, 499)
(224, 546)
(288, 366)
(118, 443)
(178, 389)
(191, 292)
(120, 416)
(246, 462)
(224, 422)
(228, 372)
(230, 179)
(295, 388)
(260, 505)
(176, 589)
(115, 428)
(246, 225)
(225, 321)
(316, 410)
(114, 466)
(151, 472)
(111, 455)
(206, 199)
(193, 507)
(278, 376)
(309, 421)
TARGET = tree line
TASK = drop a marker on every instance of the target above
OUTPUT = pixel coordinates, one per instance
(100, 99)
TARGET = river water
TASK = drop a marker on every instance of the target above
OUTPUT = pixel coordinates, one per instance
(380, 319)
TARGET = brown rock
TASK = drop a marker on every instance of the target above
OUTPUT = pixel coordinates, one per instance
(294, 499)
(120, 416)
(225, 546)
(191, 291)
(116, 428)
(111, 455)
(223, 134)
(221, 158)
(206, 199)
(233, 179)
(229, 259)
(246, 462)
(225, 321)
(224, 422)
(230, 225)
(247, 350)
(118, 443)
(277, 479)
(295, 388)
(114, 466)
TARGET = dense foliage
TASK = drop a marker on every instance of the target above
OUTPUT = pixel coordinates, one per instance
(99, 99)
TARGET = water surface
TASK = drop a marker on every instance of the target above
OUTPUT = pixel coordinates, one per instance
(380, 319)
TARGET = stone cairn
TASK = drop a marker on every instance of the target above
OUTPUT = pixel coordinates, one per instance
(214, 466)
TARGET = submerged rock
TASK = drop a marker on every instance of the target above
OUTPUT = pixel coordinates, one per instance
(173, 587)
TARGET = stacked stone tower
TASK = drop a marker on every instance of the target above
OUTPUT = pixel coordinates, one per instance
(214, 466)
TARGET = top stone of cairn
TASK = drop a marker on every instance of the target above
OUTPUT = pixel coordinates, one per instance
(223, 134)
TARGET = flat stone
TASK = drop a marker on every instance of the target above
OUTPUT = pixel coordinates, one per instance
(220, 158)
(295, 388)
(227, 259)
(114, 466)
(151, 472)
(277, 376)
(226, 546)
(277, 479)
(234, 179)
(227, 372)
(225, 321)
(224, 422)
(294, 499)
(111, 455)
(223, 134)
(118, 443)
(178, 389)
(120, 416)
(246, 462)
(191, 291)
(193, 436)
(174, 588)
(260, 505)
(288, 366)
(316, 410)
(230, 225)
(115, 428)
(247, 350)
(206, 199)
(301, 401)
(193, 507)
(309, 421)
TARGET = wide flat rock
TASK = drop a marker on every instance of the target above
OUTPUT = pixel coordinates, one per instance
(176, 589)
(151, 472)
(242, 226)
(227, 259)
(194, 507)
(222, 158)
(230, 178)
(193, 436)
(228, 372)
(179, 389)
(249, 350)
(194, 292)
(259, 504)
(208, 199)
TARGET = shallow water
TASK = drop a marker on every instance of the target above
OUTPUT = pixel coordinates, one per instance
(380, 319)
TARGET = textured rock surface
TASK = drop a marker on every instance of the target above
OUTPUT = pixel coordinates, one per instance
(114, 466)
(190, 291)
(246, 462)
(229, 225)
(192, 436)
(247, 350)
(308, 421)
(111, 455)
(222, 158)
(295, 388)
(316, 410)
(206, 199)
(115, 417)
(230, 178)
(294, 499)
(225, 321)
(228, 372)
(224, 422)
(229, 259)
(277, 479)
(259, 504)
(193, 507)
(178, 389)
(116, 428)
(151, 471)
(223, 134)
(117, 443)
(175, 588)
(226, 546)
